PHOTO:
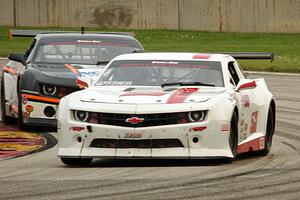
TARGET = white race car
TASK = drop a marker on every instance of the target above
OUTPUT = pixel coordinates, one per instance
(167, 105)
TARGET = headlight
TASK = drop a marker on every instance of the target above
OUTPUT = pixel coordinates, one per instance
(49, 90)
(81, 115)
(196, 116)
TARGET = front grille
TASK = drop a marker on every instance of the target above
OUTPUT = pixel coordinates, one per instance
(144, 143)
(148, 119)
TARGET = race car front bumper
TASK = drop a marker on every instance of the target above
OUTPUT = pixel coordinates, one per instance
(38, 110)
(180, 141)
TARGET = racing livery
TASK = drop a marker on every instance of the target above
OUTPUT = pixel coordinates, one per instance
(32, 84)
(167, 105)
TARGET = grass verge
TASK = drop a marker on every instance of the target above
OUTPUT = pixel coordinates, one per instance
(285, 46)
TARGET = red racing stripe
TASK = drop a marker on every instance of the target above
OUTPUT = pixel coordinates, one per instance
(181, 94)
(201, 56)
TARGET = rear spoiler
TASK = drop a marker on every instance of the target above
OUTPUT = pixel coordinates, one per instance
(251, 55)
(32, 33)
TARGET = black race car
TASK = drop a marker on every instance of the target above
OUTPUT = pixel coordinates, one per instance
(33, 83)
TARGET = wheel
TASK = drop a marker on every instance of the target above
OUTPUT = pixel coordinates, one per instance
(269, 134)
(233, 139)
(20, 123)
(6, 119)
(76, 161)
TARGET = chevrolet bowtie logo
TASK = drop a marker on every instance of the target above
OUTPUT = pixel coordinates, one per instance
(134, 120)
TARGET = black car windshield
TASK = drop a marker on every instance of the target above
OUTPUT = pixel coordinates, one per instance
(162, 72)
(82, 51)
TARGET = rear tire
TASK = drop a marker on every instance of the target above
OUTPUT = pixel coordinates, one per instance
(76, 161)
(5, 119)
(269, 134)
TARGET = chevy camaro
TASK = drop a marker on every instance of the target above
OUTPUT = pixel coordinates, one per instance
(33, 83)
(167, 105)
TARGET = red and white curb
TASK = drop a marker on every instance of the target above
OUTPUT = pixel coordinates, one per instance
(14, 143)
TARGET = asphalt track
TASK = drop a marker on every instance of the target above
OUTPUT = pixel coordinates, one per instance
(276, 176)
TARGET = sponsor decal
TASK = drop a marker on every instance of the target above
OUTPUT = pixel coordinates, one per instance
(245, 101)
(225, 127)
(165, 62)
(87, 74)
(244, 126)
(198, 128)
(29, 108)
(114, 83)
(142, 94)
(253, 126)
(90, 42)
(76, 128)
(133, 135)
(134, 120)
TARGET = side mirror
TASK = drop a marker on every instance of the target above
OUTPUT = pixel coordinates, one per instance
(18, 57)
(84, 82)
(246, 85)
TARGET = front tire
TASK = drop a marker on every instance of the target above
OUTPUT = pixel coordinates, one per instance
(20, 123)
(5, 119)
(233, 137)
(76, 161)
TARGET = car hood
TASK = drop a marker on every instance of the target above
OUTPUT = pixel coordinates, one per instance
(147, 95)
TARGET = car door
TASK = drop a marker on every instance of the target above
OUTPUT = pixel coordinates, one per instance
(247, 102)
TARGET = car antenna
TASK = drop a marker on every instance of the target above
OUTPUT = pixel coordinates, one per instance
(82, 30)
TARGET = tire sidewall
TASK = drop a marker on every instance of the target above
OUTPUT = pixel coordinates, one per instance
(233, 137)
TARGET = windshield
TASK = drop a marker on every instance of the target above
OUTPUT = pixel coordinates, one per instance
(158, 72)
(81, 51)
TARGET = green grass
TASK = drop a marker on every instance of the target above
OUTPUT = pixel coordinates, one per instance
(285, 46)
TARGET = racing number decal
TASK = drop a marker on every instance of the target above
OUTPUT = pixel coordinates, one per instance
(253, 122)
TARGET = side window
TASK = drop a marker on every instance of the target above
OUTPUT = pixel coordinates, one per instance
(233, 73)
(30, 49)
(241, 72)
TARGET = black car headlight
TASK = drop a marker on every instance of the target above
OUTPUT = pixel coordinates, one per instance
(193, 116)
(49, 90)
(81, 115)
(84, 116)
(56, 91)
(196, 116)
